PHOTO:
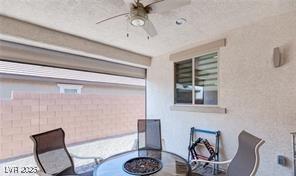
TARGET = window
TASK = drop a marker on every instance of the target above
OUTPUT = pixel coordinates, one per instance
(196, 80)
(70, 88)
(183, 77)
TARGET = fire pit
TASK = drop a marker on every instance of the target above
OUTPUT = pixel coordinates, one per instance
(142, 166)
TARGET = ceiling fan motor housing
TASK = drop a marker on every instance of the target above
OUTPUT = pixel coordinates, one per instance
(138, 15)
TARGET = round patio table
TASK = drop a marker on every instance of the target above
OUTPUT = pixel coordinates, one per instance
(172, 164)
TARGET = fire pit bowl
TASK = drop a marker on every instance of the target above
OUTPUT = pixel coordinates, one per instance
(142, 166)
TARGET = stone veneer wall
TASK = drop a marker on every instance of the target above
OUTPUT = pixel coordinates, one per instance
(83, 117)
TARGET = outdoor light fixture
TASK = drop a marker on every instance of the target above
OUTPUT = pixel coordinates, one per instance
(138, 21)
(139, 11)
(138, 16)
(181, 21)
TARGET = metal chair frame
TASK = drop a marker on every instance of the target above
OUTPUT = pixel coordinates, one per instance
(147, 121)
(256, 151)
(70, 156)
(217, 134)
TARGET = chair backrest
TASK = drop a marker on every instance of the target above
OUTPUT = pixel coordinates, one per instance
(246, 160)
(149, 134)
(50, 152)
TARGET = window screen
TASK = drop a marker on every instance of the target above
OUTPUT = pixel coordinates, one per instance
(183, 78)
(206, 79)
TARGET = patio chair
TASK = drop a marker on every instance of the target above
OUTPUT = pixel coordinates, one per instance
(52, 156)
(246, 160)
(149, 135)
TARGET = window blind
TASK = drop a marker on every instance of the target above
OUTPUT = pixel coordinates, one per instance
(183, 78)
(206, 79)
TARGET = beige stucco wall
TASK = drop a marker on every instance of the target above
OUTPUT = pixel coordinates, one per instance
(259, 98)
(8, 85)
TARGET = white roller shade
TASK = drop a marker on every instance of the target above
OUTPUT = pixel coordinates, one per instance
(15, 52)
(19, 69)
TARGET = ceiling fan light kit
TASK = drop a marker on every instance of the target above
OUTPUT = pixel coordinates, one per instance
(138, 15)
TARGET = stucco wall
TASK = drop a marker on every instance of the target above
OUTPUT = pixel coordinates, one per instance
(8, 85)
(259, 98)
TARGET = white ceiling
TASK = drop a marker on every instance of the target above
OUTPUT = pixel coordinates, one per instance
(205, 19)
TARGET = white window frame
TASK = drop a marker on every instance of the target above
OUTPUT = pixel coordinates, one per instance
(193, 80)
(192, 53)
(192, 107)
(62, 87)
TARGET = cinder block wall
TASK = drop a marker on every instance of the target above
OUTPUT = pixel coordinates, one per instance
(83, 117)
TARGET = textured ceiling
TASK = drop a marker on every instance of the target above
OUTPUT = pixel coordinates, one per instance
(205, 19)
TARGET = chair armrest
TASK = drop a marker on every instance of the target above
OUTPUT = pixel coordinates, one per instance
(194, 166)
(98, 160)
(211, 162)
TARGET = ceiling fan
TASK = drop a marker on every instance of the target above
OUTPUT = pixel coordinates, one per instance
(138, 14)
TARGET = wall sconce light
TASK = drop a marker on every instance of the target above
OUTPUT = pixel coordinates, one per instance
(277, 57)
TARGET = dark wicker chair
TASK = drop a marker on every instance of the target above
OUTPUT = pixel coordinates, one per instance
(52, 156)
(246, 160)
(149, 134)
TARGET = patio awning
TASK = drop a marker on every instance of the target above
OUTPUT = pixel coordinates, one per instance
(21, 53)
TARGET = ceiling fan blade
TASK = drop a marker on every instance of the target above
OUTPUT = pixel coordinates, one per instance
(167, 5)
(154, 2)
(129, 3)
(116, 16)
(149, 28)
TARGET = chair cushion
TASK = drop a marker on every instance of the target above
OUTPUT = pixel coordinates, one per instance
(69, 172)
(55, 161)
(246, 160)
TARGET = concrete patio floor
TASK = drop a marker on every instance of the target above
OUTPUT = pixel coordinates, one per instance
(102, 148)
(206, 171)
